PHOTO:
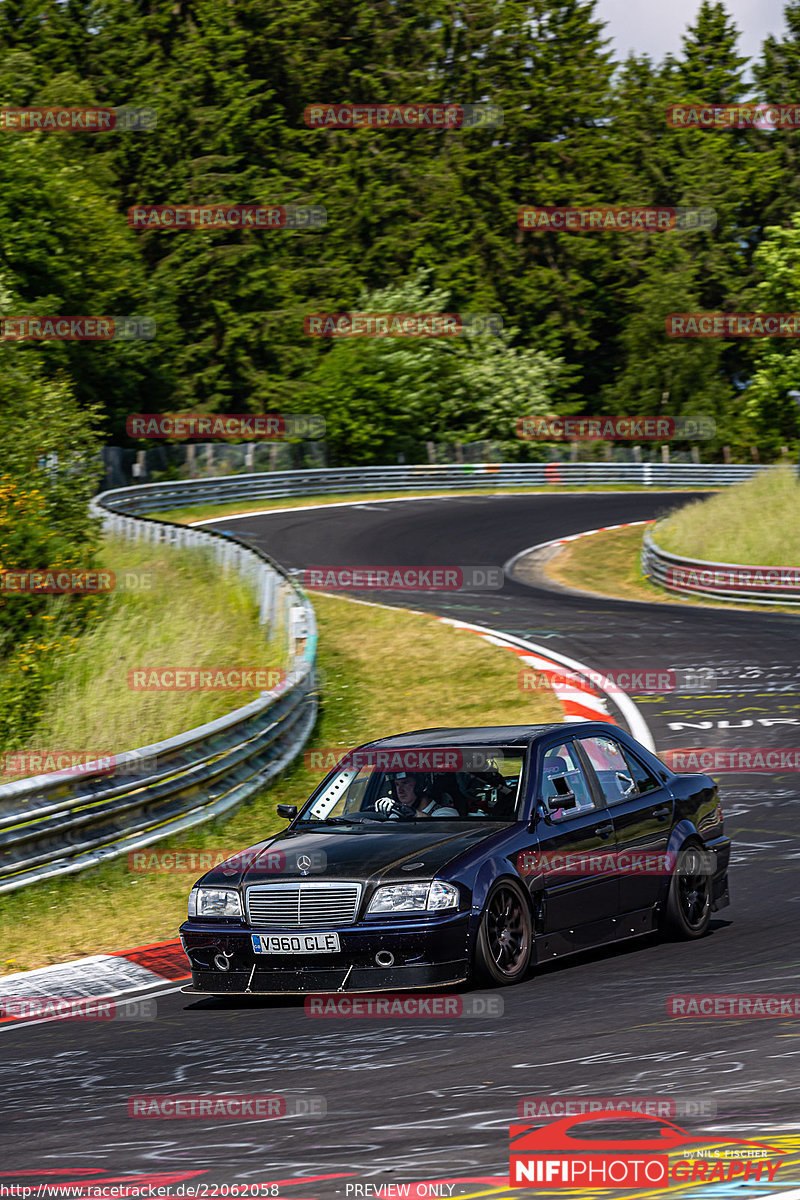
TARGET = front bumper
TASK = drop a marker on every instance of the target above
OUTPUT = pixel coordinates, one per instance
(429, 953)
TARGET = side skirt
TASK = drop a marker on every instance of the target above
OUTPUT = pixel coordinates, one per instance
(548, 946)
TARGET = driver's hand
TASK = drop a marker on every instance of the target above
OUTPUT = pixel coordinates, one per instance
(393, 809)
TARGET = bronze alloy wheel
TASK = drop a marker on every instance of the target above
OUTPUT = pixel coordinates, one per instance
(503, 947)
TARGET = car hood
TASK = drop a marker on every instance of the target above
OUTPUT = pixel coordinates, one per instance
(363, 853)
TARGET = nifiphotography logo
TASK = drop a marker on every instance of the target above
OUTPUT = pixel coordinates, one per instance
(637, 1151)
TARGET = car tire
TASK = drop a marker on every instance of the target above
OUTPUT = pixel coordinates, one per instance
(688, 909)
(505, 936)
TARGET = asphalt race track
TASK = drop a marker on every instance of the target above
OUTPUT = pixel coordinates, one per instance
(432, 1099)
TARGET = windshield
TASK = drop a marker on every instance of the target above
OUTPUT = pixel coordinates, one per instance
(487, 787)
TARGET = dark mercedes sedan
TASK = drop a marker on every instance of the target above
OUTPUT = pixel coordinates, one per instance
(446, 855)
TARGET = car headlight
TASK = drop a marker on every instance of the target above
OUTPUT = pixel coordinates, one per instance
(214, 902)
(414, 897)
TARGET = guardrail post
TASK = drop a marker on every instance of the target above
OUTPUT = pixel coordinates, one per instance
(267, 592)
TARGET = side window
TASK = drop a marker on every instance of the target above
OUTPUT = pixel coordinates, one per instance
(644, 778)
(621, 776)
(563, 790)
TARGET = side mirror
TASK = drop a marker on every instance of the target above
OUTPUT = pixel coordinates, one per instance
(564, 797)
(287, 810)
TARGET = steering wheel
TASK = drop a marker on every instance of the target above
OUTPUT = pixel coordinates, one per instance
(401, 811)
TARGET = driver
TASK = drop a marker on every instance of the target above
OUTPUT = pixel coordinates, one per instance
(411, 799)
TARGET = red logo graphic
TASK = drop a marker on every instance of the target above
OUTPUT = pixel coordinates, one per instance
(561, 1155)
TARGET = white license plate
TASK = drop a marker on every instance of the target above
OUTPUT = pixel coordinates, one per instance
(296, 943)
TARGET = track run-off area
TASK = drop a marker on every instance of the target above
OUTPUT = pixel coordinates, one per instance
(431, 1099)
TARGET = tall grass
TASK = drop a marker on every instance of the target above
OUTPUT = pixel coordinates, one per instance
(384, 671)
(188, 615)
(755, 523)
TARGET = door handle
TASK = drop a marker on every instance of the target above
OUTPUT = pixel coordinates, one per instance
(604, 831)
(662, 812)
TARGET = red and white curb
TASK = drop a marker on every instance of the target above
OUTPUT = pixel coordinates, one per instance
(573, 537)
(586, 699)
(100, 976)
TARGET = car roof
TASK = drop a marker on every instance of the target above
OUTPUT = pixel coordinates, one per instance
(485, 735)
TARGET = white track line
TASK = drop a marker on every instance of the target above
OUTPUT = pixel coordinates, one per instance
(119, 999)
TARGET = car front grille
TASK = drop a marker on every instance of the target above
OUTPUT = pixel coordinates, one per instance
(301, 905)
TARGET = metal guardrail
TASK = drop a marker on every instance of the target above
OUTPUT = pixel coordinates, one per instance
(152, 497)
(55, 824)
(58, 823)
(721, 581)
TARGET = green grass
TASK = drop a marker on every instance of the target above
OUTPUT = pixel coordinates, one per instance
(609, 564)
(190, 616)
(385, 671)
(755, 523)
(606, 563)
(201, 512)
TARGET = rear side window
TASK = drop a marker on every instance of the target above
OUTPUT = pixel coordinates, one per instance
(642, 776)
(621, 775)
(610, 767)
